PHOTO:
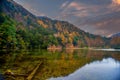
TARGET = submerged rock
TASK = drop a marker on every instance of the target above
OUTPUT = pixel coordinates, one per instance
(8, 72)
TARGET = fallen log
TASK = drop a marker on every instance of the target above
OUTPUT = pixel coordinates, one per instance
(30, 77)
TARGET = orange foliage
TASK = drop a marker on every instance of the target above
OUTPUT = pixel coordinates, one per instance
(42, 23)
(115, 40)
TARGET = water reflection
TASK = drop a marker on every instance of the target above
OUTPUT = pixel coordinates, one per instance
(61, 63)
(107, 69)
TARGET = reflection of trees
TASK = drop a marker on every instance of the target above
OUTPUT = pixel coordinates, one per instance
(69, 61)
(54, 50)
(95, 55)
(20, 63)
(55, 64)
(69, 51)
(60, 67)
(116, 56)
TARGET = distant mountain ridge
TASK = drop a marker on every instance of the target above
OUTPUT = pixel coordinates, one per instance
(115, 40)
(116, 35)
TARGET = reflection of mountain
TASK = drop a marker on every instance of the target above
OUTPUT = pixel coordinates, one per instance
(55, 64)
(95, 70)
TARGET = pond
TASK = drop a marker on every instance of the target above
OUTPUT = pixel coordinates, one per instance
(66, 64)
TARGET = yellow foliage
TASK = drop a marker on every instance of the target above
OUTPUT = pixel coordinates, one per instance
(42, 23)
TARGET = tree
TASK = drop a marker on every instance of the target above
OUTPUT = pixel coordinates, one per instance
(7, 33)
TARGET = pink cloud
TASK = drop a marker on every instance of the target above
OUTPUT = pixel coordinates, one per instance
(74, 9)
(75, 5)
(116, 2)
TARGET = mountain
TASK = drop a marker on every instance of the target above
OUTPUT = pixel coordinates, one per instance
(18, 13)
(116, 35)
(29, 30)
(115, 40)
(69, 33)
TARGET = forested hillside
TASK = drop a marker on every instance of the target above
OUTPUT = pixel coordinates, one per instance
(21, 29)
(13, 35)
(115, 41)
(68, 34)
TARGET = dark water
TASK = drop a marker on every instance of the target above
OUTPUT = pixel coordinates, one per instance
(1, 77)
(63, 64)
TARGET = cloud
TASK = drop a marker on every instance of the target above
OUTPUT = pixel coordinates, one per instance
(37, 13)
(30, 8)
(96, 16)
(95, 2)
(104, 24)
(74, 9)
(64, 4)
(116, 2)
(115, 5)
(78, 9)
(75, 5)
(105, 32)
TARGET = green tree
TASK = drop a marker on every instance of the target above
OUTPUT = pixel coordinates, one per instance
(7, 33)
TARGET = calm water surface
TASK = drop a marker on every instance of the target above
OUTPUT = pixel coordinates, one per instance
(63, 64)
(106, 69)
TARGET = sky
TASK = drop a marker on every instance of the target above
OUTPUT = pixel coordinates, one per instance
(101, 17)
